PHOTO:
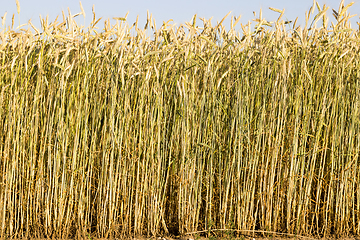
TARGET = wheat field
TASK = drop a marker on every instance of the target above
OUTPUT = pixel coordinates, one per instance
(177, 129)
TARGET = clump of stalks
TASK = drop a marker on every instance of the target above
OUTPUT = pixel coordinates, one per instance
(173, 130)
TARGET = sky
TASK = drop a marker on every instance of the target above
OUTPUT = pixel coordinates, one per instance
(179, 11)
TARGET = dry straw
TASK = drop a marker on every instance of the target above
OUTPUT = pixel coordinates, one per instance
(110, 133)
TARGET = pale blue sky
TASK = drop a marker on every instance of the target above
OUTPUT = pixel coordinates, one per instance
(179, 11)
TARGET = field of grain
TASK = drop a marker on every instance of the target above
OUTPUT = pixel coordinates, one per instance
(168, 130)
